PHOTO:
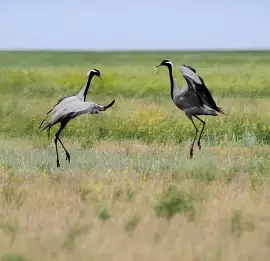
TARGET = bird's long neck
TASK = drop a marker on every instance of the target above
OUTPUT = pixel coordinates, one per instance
(83, 92)
(173, 86)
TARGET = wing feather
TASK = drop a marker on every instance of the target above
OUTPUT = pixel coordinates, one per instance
(202, 92)
(206, 96)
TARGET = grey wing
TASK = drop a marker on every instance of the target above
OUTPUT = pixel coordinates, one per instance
(187, 72)
(95, 108)
(92, 107)
(198, 87)
(63, 113)
(57, 103)
(74, 109)
(55, 117)
(206, 96)
(203, 94)
(187, 97)
(192, 94)
(77, 108)
(55, 107)
(88, 107)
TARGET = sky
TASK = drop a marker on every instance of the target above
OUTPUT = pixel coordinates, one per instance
(137, 24)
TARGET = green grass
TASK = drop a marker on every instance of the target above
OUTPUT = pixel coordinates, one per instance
(130, 183)
(141, 91)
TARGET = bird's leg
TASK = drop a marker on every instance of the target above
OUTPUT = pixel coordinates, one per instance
(196, 132)
(67, 154)
(57, 156)
(199, 139)
(55, 142)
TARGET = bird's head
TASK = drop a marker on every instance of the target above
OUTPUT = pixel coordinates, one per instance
(95, 72)
(165, 62)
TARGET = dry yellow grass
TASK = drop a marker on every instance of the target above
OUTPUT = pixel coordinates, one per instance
(130, 191)
(59, 216)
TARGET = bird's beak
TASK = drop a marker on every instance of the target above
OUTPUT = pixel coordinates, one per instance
(158, 65)
(100, 77)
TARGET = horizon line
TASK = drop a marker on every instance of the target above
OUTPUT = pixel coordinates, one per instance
(134, 50)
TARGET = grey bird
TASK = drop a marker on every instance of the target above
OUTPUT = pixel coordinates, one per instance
(80, 96)
(193, 98)
(67, 112)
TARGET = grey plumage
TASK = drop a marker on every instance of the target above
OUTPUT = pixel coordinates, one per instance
(63, 114)
(80, 96)
(193, 98)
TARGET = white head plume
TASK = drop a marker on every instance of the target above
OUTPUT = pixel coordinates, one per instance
(89, 72)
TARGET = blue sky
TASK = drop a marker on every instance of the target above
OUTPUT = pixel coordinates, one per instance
(138, 24)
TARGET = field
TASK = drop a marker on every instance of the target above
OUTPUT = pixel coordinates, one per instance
(130, 191)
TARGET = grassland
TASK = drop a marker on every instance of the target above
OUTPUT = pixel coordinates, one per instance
(130, 191)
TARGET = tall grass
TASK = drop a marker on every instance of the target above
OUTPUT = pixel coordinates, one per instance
(143, 108)
(130, 192)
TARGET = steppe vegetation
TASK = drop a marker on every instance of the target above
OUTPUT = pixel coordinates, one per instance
(130, 191)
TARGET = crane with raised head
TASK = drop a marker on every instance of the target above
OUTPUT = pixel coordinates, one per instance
(193, 98)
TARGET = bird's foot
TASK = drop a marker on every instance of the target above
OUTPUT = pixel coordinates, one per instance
(57, 163)
(199, 145)
(67, 157)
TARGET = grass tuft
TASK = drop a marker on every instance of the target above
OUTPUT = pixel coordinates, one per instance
(13, 257)
(173, 201)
